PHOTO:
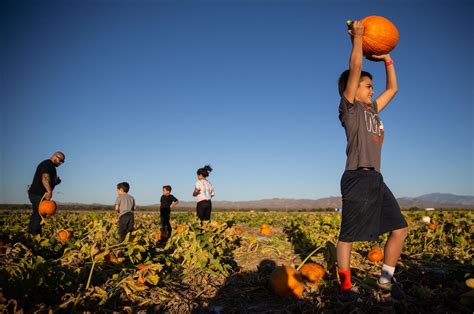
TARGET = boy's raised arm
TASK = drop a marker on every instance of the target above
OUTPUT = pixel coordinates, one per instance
(355, 61)
(391, 84)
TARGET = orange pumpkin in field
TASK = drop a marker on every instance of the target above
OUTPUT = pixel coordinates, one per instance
(286, 281)
(47, 208)
(375, 255)
(180, 228)
(380, 35)
(162, 235)
(63, 236)
(265, 230)
(432, 226)
(312, 272)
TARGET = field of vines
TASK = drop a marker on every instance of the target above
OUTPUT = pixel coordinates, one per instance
(224, 266)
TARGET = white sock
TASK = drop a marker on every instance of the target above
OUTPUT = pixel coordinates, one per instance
(387, 274)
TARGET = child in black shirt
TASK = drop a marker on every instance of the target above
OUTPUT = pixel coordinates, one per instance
(167, 202)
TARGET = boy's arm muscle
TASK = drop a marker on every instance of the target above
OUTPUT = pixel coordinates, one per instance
(355, 61)
(391, 84)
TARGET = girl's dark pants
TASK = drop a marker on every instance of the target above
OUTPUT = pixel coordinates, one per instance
(204, 209)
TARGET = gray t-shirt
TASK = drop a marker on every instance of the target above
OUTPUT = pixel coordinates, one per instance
(364, 132)
(126, 203)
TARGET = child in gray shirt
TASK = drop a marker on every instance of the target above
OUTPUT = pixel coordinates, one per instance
(125, 206)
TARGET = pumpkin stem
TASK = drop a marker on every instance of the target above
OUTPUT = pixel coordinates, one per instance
(349, 23)
(307, 257)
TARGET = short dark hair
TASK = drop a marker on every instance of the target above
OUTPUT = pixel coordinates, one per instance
(167, 187)
(124, 186)
(342, 83)
(204, 171)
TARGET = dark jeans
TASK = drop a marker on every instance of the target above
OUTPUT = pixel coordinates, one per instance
(204, 209)
(125, 225)
(35, 221)
(165, 224)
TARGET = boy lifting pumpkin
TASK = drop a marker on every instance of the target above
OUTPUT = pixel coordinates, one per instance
(369, 207)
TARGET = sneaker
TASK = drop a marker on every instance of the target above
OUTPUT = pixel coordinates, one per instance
(393, 287)
(351, 295)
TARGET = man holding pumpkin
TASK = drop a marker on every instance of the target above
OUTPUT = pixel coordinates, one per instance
(44, 181)
(369, 208)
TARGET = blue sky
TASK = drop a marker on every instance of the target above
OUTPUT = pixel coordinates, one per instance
(149, 91)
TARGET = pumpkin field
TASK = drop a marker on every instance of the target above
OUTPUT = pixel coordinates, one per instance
(228, 265)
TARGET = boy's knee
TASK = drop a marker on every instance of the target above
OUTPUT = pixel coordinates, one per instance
(400, 233)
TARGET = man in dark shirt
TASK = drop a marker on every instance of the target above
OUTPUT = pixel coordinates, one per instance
(167, 202)
(44, 181)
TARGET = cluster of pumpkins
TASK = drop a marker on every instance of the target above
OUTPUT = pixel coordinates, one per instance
(287, 281)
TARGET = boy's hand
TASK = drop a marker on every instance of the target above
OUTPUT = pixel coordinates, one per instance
(357, 29)
(384, 58)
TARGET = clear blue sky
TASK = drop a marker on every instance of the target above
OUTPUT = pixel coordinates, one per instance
(149, 91)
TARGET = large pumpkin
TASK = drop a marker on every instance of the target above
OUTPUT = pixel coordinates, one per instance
(47, 208)
(312, 272)
(375, 255)
(286, 281)
(380, 35)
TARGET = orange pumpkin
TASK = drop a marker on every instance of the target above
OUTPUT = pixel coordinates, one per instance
(180, 228)
(63, 236)
(312, 272)
(380, 35)
(286, 281)
(47, 208)
(162, 235)
(141, 280)
(265, 230)
(375, 255)
(432, 227)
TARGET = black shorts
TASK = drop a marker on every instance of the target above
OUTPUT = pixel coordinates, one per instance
(203, 209)
(369, 208)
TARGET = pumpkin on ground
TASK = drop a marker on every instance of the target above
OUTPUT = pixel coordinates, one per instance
(375, 255)
(63, 236)
(286, 281)
(180, 228)
(432, 226)
(380, 35)
(312, 272)
(265, 230)
(47, 208)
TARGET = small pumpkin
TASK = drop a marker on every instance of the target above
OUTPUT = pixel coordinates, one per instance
(47, 208)
(380, 35)
(141, 280)
(312, 272)
(63, 236)
(432, 226)
(426, 219)
(265, 230)
(162, 235)
(375, 255)
(470, 283)
(286, 281)
(180, 228)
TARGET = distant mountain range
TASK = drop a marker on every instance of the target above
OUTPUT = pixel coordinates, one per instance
(436, 200)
